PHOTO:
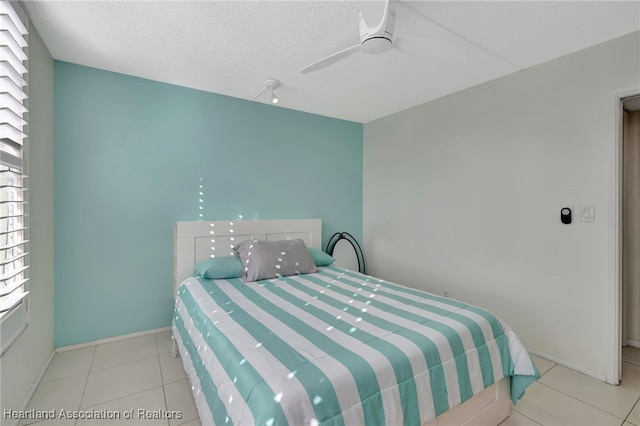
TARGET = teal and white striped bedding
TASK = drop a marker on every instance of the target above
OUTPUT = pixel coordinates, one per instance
(337, 348)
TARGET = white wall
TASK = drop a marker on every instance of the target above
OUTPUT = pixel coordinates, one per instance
(25, 359)
(463, 195)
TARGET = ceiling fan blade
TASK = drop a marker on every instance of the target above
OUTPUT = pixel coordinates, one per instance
(374, 13)
(331, 59)
(430, 49)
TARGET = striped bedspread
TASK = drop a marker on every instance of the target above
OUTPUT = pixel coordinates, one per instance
(337, 348)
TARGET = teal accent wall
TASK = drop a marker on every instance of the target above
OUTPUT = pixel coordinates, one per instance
(130, 155)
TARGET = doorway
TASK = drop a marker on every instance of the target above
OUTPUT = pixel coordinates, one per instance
(630, 229)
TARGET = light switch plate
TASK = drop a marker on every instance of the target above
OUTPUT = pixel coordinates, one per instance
(588, 213)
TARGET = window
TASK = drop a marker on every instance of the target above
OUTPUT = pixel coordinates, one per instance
(14, 222)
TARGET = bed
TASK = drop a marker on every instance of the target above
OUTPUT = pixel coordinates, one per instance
(333, 347)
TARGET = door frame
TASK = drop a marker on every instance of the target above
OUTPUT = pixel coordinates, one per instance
(615, 230)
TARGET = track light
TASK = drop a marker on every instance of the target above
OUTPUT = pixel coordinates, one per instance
(269, 84)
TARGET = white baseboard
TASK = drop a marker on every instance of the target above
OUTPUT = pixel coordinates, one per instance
(564, 363)
(35, 385)
(111, 339)
(634, 343)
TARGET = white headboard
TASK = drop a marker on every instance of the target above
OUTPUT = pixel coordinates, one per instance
(197, 241)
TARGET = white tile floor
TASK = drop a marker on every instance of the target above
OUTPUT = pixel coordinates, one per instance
(136, 373)
(564, 397)
(140, 373)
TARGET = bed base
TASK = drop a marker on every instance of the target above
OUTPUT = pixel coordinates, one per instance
(489, 407)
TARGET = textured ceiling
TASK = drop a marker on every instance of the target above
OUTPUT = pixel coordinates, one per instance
(232, 47)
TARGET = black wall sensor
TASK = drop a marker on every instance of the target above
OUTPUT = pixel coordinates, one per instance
(565, 215)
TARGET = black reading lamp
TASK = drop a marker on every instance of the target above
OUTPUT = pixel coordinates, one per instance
(335, 238)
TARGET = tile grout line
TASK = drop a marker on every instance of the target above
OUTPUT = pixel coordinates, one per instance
(514, 408)
(626, 419)
(124, 363)
(120, 397)
(63, 378)
(584, 402)
(637, 401)
(630, 363)
(114, 366)
(627, 361)
(84, 389)
(543, 374)
(189, 387)
(527, 417)
(93, 357)
(164, 392)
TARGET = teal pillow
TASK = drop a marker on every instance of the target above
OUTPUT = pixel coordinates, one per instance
(220, 267)
(320, 258)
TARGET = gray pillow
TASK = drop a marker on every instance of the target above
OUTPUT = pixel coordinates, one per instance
(269, 259)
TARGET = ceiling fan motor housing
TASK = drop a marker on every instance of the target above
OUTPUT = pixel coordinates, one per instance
(380, 41)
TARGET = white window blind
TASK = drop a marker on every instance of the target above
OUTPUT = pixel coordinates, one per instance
(14, 211)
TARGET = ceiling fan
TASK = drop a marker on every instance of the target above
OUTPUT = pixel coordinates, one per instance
(376, 23)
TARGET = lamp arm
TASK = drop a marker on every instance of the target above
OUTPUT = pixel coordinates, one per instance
(354, 243)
